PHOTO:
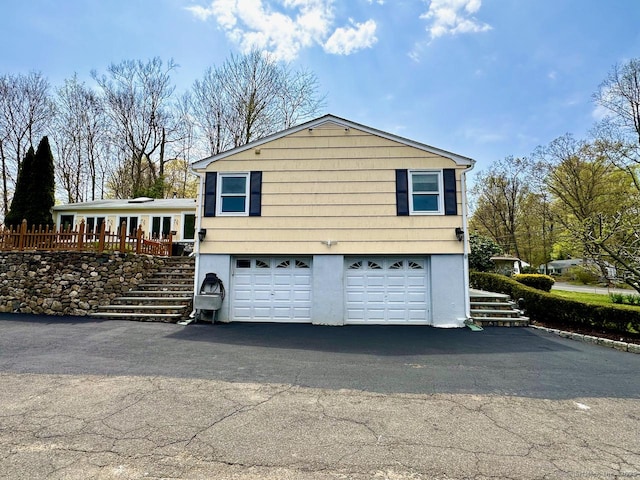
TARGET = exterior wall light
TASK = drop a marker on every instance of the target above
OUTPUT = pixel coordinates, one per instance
(201, 234)
(459, 234)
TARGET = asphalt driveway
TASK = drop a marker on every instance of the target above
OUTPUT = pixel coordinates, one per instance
(115, 399)
(501, 361)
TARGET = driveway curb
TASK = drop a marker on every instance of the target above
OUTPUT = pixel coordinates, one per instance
(605, 342)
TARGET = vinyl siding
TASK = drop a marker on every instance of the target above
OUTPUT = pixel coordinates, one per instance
(331, 184)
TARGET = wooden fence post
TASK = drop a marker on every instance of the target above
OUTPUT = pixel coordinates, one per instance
(102, 235)
(139, 239)
(81, 236)
(123, 236)
(23, 233)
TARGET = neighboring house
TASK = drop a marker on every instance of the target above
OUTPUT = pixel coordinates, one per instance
(157, 217)
(562, 267)
(332, 222)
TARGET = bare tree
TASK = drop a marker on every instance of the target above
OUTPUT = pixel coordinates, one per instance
(249, 97)
(80, 137)
(298, 96)
(619, 95)
(25, 112)
(137, 98)
(209, 111)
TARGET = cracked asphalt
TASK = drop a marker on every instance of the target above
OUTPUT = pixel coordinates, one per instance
(119, 400)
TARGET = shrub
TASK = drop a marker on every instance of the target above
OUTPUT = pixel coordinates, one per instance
(583, 275)
(616, 297)
(541, 306)
(541, 282)
(481, 250)
(621, 298)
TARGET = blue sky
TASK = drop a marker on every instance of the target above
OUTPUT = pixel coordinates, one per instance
(482, 78)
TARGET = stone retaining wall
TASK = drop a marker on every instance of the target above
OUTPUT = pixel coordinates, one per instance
(69, 283)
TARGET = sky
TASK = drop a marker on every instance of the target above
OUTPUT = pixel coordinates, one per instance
(486, 79)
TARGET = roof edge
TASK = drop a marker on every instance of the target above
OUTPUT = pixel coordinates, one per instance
(458, 159)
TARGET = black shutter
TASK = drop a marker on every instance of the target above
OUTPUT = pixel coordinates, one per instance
(402, 192)
(255, 194)
(450, 199)
(210, 194)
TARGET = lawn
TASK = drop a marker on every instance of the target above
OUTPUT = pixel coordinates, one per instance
(584, 297)
(588, 297)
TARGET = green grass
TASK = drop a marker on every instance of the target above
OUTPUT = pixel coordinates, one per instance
(585, 297)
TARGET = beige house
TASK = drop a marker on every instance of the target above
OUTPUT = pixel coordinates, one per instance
(157, 217)
(332, 222)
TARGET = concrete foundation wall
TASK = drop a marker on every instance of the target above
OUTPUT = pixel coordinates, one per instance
(221, 266)
(447, 288)
(448, 291)
(328, 290)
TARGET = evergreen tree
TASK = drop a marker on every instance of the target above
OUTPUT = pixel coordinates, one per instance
(35, 189)
(42, 186)
(22, 195)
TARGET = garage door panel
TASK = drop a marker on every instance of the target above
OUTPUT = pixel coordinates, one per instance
(355, 281)
(373, 281)
(271, 290)
(299, 296)
(391, 291)
(418, 282)
(416, 297)
(302, 313)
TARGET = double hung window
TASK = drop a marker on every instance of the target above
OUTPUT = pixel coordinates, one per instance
(233, 191)
(425, 192)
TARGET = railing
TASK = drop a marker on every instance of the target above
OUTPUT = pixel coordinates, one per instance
(50, 239)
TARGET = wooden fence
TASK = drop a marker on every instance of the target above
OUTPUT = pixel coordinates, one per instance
(50, 239)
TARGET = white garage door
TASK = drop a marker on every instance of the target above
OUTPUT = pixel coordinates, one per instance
(271, 290)
(387, 291)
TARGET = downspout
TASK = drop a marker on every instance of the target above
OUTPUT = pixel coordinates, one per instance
(465, 228)
(196, 241)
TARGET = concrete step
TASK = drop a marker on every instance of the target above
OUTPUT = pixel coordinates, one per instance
(141, 307)
(187, 286)
(490, 309)
(475, 313)
(159, 317)
(494, 305)
(162, 293)
(177, 273)
(142, 298)
(501, 322)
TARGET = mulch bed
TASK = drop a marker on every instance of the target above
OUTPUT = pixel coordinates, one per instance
(622, 337)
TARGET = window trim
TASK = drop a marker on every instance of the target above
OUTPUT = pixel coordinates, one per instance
(220, 195)
(440, 193)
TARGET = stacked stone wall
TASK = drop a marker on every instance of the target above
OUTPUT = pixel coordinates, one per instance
(69, 283)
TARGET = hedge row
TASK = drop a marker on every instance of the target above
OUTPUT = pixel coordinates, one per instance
(540, 282)
(542, 306)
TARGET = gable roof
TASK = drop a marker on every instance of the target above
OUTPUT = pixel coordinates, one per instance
(458, 159)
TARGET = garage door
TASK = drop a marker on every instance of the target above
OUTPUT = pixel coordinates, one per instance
(271, 290)
(387, 291)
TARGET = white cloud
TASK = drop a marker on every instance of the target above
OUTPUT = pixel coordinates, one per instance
(452, 17)
(345, 41)
(284, 27)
